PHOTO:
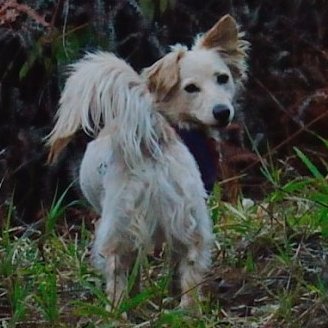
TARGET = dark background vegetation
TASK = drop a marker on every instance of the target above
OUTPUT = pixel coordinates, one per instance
(284, 103)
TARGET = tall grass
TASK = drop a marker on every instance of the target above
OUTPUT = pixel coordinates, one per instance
(269, 267)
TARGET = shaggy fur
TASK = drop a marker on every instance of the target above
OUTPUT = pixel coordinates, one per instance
(137, 173)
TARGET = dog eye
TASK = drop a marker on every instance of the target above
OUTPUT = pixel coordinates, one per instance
(222, 78)
(191, 88)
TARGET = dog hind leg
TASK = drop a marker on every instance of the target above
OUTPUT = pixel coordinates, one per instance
(116, 273)
(192, 269)
(113, 255)
(122, 234)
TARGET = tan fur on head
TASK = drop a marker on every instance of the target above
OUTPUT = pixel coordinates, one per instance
(163, 76)
(226, 39)
(220, 51)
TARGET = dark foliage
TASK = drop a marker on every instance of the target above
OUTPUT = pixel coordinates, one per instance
(285, 100)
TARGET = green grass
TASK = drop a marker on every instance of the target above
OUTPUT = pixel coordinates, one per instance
(269, 267)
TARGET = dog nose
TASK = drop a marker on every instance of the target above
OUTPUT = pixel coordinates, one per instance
(222, 114)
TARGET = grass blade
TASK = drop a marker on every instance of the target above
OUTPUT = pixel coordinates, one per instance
(307, 162)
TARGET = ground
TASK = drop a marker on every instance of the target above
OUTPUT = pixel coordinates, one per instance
(269, 267)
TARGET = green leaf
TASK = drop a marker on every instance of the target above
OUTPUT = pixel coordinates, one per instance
(138, 299)
(307, 162)
(296, 185)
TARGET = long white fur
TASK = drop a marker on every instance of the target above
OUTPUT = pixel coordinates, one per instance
(137, 173)
(102, 90)
(140, 194)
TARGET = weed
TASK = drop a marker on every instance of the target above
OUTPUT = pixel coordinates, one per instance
(269, 267)
(57, 209)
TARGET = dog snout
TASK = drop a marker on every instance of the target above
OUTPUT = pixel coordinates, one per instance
(222, 114)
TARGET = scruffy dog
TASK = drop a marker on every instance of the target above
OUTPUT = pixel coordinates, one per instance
(137, 173)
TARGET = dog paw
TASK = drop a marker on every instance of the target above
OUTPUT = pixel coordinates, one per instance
(190, 305)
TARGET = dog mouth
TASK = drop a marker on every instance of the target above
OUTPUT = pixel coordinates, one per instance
(184, 117)
(222, 125)
(192, 121)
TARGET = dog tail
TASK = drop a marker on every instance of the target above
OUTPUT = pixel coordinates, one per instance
(102, 91)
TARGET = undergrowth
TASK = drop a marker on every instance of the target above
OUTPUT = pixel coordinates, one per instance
(269, 266)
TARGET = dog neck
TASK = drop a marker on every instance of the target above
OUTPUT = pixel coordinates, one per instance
(203, 148)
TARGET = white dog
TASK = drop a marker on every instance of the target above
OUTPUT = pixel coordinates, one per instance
(137, 173)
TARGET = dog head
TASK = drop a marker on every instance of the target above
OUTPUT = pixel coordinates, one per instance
(199, 85)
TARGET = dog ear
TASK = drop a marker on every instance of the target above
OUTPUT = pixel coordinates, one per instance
(163, 76)
(223, 35)
(225, 38)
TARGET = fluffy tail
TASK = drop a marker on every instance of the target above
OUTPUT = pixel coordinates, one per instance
(102, 91)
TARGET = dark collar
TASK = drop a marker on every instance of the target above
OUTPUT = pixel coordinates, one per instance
(203, 148)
